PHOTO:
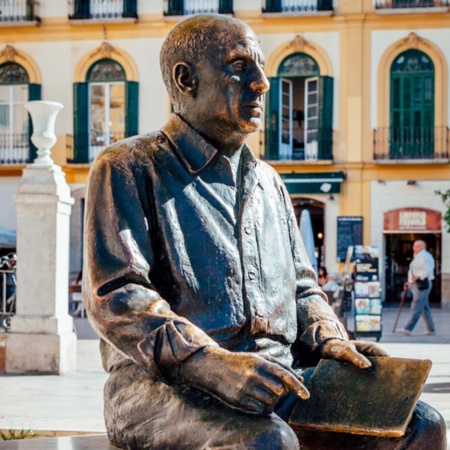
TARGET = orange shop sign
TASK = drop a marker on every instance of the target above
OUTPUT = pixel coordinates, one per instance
(412, 219)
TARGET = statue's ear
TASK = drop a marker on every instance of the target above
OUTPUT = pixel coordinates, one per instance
(185, 78)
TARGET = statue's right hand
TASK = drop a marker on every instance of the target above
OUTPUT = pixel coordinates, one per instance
(245, 381)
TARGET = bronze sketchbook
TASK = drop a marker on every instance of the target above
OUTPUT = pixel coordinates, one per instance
(379, 401)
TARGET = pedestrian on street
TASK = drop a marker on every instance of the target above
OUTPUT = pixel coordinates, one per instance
(420, 280)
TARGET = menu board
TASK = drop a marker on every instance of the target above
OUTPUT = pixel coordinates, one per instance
(349, 232)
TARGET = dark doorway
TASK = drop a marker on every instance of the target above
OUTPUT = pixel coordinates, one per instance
(398, 256)
(317, 211)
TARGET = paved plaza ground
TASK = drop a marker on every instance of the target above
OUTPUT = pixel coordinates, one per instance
(73, 403)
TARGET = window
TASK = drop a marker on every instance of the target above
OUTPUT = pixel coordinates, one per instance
(15, 125)
(106, 109)
(187, 7)
(412, 106)
(16, 11)
(296, 6)
(299, 111)
(102, 9)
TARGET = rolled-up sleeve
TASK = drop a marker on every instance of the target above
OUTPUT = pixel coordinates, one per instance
(120, 238)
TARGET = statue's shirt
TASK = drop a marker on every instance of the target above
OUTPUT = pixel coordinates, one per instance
(183, 252)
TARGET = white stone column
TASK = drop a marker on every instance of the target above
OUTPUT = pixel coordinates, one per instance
(41, 339)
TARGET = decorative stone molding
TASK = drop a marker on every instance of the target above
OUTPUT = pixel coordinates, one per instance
(106, 50)
(11, 54)
(412, 42)
(297, 45)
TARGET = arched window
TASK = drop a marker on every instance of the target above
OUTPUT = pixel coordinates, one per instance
(412, 106)
(106, 109)
(15, 125)
(299, 111)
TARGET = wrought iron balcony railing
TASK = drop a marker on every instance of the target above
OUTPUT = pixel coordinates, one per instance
(187, 7)
(14, 149)
(83, 148)
(102, 10)
(404, 4)
(19, 11)
(410, 143)
(297, 6)
(317, 150)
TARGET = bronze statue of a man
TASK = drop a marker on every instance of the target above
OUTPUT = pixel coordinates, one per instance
(196, 276)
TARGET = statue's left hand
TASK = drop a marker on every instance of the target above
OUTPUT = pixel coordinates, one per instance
(354, 352)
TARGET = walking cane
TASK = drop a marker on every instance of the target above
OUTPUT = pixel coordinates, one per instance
(405, 290)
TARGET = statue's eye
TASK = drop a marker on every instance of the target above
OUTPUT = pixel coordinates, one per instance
(238, 65)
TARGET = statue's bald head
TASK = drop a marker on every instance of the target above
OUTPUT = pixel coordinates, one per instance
(189, 41)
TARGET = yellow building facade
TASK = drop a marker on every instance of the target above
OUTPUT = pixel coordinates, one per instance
(356, 121)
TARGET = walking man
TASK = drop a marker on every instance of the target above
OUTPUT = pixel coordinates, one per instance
(420, 277)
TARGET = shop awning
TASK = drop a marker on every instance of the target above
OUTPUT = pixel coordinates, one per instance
(313, 183)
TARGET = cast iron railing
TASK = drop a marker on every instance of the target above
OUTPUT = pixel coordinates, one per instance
(14, 149)
(296, 6)
(12, 11)
(320, 150)
(187, 7)
(102, 9)
(401, 4)
(410, 143)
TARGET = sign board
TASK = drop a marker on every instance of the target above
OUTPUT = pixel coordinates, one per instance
(412, 219)
(349, 232)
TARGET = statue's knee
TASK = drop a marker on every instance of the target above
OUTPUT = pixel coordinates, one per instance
(432, 426)
(277, 435)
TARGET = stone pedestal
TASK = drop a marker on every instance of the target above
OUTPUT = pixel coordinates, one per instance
(42, 339)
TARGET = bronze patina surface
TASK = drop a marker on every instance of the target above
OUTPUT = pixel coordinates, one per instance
(196, 277)
(349, 400)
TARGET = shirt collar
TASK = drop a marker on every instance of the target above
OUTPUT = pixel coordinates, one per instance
(193, 149)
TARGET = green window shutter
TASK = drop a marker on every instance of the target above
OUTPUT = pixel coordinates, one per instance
(272, 140)
(34, 93)
(176, 8)
(132, 108)
(81, 122)
(82, 9)
(226, 6)
(325, 117)
(129, 8)
(273, 6)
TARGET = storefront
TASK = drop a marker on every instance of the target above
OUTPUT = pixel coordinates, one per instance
(401, 228)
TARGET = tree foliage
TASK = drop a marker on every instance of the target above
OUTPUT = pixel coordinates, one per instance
(445, 196)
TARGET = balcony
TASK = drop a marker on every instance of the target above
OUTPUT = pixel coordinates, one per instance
(14, 149)
(19, 13)
(320, 148)
(83, 148)
(187, 7)
(102, 10)
(411, 144)
(298, 7)
(411, 6)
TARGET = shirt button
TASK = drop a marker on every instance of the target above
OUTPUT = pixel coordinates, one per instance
(252, 275)
(259, 312)
(219, 166)
(248, 230)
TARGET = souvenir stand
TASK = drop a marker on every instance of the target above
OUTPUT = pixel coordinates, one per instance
(367, 292)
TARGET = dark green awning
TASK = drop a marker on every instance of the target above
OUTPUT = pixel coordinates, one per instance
(313, 183)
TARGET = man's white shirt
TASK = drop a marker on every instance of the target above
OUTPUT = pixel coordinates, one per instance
(421, 266)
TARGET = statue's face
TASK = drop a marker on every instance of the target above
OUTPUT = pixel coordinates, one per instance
(231, 81)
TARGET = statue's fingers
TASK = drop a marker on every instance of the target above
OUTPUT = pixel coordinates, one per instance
(369, 348)
(293, 384)
(351, 355)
